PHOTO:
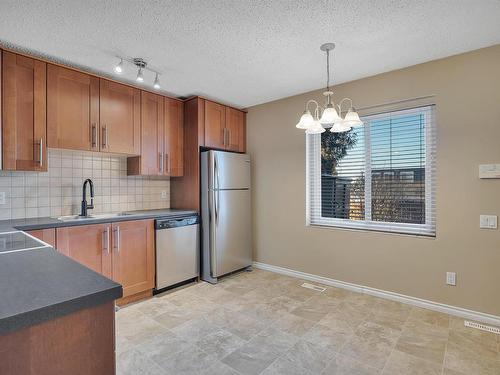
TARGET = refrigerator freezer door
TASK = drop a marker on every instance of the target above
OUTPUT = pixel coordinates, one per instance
(231, 245)
(229, 170)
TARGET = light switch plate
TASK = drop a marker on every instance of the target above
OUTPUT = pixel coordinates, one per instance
(489, 171)
(488, 221)
(451, 278)
(164, 194)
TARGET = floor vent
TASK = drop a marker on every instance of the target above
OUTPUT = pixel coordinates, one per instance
(313, 287)
(482, 327)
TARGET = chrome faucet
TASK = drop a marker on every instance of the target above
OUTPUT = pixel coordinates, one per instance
(85, 205)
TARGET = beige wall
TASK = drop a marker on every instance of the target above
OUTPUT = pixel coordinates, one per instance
(467, 89)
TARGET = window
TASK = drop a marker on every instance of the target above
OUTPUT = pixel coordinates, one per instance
(378, 176)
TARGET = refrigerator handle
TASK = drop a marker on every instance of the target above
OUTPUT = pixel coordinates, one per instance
(216, 187)
(213, 238)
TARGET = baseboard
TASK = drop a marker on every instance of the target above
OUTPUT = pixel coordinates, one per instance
(430, 305)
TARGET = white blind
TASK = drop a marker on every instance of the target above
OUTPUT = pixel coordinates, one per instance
(379, 176)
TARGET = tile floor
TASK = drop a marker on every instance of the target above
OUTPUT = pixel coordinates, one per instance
(264, 323)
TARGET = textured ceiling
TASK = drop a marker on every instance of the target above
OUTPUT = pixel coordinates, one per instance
(250, 52)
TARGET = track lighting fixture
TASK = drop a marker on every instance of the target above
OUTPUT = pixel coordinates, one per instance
(141, 67)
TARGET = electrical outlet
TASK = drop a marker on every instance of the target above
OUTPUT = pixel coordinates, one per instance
(2, 197)
(164, 194)
(451, 278)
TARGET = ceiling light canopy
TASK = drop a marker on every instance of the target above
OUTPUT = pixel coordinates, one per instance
(141, 66)
(330, 117)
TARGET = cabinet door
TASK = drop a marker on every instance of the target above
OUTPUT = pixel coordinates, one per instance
(151, 160)
(174, 137)
(72, 109)
(215, 119)
(120, 111)
(88, 245)
(23, 112)
(46, 235)
(235, 130)
(133, 255)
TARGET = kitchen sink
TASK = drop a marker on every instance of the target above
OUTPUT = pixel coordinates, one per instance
(92, 217)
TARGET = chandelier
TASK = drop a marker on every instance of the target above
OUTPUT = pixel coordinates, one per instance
(327, 117)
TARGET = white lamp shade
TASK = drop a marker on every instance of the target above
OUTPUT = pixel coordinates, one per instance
(352, 118)
(329, 117)
(340, 127)
(315, 128)
(119, 67)
(306, 121)
(140, 76)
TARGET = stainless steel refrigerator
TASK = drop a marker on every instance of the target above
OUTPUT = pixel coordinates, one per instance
(225, 213)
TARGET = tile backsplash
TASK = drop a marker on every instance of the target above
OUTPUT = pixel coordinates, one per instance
(59, 191)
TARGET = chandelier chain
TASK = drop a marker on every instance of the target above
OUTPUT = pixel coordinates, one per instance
(328, 70)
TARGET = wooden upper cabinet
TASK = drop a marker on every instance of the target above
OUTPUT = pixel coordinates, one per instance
(72, 109)
(235, 130)
(215, 124)
(133, 255)
(151, 162)
(225, 127)
(120, 121)
(174, 137)
(89, 245)
(24, 130)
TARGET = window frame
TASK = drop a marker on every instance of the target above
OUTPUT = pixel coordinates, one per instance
(313, 180)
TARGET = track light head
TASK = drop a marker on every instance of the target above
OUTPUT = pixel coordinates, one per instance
(156, 85)
(140, 76)
(119, 67)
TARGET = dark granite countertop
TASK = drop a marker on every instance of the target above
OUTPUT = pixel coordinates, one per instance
(51, 222)
(40, 284)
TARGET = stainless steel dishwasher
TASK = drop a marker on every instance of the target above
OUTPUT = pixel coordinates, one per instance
(177, 250)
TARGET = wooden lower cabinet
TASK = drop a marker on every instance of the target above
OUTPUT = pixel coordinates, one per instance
(46, 235)
(133, 255)
(122, 251)
(88, 245)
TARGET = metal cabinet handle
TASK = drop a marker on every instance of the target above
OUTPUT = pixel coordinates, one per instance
(160, 159)
(104, 136)
(41, 152)
(118, 238)
(228, 137)
(167, 162)
(105, 240)
(93, 135)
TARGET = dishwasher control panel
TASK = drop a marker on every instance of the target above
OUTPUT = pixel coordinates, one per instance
(176, 222)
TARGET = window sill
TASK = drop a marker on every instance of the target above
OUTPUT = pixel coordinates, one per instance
(374, 231)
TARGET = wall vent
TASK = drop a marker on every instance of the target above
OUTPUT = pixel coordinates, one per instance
(482, 327)
(313, 287)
